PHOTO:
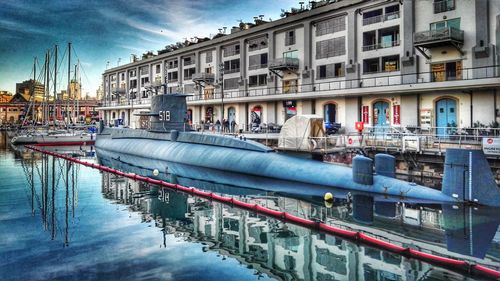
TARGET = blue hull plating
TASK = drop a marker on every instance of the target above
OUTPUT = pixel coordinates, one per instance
(157, 154)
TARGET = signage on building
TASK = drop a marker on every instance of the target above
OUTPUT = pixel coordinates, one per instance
(411, 143)
(491, 146)
(289, 103)
(396, 114)
(425, 119)
(365, 115)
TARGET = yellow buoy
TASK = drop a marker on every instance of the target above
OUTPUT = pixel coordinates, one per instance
(328, 196)
(156, 172)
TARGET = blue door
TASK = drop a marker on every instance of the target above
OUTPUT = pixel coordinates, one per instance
(446, 116)
(381, 116)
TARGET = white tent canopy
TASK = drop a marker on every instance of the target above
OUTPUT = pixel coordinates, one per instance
(297, 131)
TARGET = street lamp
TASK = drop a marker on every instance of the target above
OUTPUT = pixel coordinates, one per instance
(221, 71)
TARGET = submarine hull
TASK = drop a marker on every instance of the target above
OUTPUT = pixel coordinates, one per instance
(157, 154)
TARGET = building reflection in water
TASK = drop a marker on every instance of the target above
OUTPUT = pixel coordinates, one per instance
(288, 252)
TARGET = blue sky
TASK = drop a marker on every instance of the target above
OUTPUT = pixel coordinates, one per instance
(109, 30)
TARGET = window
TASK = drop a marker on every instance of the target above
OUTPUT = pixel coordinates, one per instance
(372, 16)
(371, 65)
(173, 64)
(291, 54)
(441, 6)
(369, 41)
(132, 73)
(257, 61)
(209, 57)
(144, 70)
(231, 83)
(257, 80)
(257, 44)
(232, 50)
(232, 66)
(158, 68)
(440, 25)
(446, 71)
(188, 73)
(133, 84)
(123, 76)
(172, 76)
(208, 70)
(332, 70)
(290, 38)
(391, 12)
(144, 80)
(330, 26)
(390, 63)
(330, 48)
(389, 37)
(188, 61)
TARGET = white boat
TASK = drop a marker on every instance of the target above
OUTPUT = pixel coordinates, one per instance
(54, 137)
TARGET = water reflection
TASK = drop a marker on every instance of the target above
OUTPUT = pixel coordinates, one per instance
(269, 246)
(290, 252)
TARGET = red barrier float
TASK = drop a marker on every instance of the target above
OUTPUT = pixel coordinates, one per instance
(458, 265)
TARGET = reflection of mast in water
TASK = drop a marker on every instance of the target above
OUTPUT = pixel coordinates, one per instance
(47, 203)
(53, 229)
(66, 240)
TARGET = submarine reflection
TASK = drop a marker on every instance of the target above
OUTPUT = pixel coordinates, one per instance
(288, 252)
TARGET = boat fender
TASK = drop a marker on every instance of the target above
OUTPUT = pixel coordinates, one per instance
(174, 134)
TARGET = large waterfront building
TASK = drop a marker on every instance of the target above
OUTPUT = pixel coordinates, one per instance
(386, 63)
(29, 86)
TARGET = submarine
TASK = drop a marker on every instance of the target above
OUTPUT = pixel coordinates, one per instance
(169, 146)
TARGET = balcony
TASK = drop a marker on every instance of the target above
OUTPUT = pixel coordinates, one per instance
(437, 38)
(207, 78)
(381, 46)
(284, 64)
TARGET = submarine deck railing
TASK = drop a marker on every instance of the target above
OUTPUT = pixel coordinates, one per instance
(432, 140)
(358, 236)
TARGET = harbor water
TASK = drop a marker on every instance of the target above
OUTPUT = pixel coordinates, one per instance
(63, 221)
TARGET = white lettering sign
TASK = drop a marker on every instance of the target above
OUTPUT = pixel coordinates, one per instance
(491, 146)
(164, 115)
(411, 143)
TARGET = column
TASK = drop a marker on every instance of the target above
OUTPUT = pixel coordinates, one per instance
(408, 59)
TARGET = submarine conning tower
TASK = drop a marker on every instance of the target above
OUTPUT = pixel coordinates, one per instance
(168, 112)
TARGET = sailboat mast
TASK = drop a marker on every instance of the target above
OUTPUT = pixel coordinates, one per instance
(33, 93)
(75, 103)
(47, 77)
(69, 81)
(55, 88)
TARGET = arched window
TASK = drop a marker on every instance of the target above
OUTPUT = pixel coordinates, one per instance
(330, 113)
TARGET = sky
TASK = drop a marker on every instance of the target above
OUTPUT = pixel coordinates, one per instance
(103, 31)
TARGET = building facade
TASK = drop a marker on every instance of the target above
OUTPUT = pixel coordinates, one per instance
(29, 86)
(427, 64)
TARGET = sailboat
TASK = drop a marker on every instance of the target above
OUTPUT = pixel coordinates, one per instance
(55, 136)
